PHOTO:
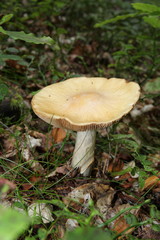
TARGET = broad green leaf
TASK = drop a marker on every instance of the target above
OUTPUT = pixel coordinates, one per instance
(146, 8)
(154, 212)
(12, 223)
(5, 57)
(27, 37)
(154, 21)
(6, 18)
(115, 19)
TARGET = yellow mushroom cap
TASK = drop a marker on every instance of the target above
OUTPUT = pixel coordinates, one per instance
(85, 103)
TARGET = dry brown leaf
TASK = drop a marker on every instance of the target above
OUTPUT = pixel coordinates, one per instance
(9, 144)
(115, 165)
(65, 169)
(58, 134)
(120, 225)
(14, 64)
(47, 140)
(32, 181)
(27, 186)
(4, 181)
(151, 182)
(60, 231)
(103, 203)
(154, 158)
(84, 193)
(127, 180)
(10, 154)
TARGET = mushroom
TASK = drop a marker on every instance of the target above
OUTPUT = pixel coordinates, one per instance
(85, 104)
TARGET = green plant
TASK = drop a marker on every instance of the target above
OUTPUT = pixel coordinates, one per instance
(134, 59)
(89, 233)
(3, 91)
(12, 223)
(23, 36)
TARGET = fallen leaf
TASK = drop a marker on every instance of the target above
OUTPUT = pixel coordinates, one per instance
(4, 181)
(120, 225)
(58, 134)
(42, 210)
(71, 224)
(60, 231)
(127, 180)
(27, 186)
(65, 169)
(30, 184)
(103, 203)
(27, 145)
(14, 64)
(9, 144)
(115, 165)
(151, 182)
(84, 193)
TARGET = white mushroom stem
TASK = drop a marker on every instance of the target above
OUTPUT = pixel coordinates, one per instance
(83, 155)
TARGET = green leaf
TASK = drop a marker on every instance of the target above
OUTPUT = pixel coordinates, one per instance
(156, 227)
(122, 136)
(146, 163)
(147, 8)
(154, 212)
(127, 140)
(42, 233)
(60, 4)
(153, 86)
(89, 233)
(55, 202)
(30, 38)
(3, 91)
(12, 223)
(154, 21)
(141, 179)
(6, 18)
(115, 19)
(131, 218)
(120, 173)
(2, 30)
(5, 57)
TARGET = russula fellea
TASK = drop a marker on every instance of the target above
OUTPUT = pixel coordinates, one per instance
(85, 104)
